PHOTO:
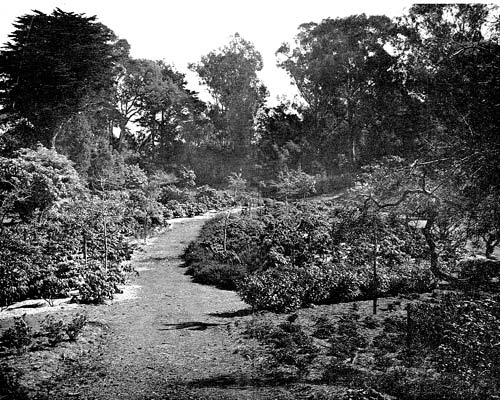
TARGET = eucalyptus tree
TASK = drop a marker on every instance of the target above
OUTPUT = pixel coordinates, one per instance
(345, 73)
(230, 75)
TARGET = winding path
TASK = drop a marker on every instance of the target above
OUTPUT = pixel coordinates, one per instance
(174, 340)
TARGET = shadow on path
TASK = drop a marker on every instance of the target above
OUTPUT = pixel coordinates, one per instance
(237, 380)
(233, 314)
(192, 326)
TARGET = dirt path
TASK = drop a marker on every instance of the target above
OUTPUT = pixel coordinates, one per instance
(174, 340)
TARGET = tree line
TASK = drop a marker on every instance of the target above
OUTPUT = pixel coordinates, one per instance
(423, 87)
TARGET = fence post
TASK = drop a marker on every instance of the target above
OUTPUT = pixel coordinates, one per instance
(105, 246)
(85, 256)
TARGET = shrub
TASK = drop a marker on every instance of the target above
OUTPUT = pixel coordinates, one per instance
(223, 276)
(18, 336)
(315, 253)
(75, 326)
(56, 331)
(53, 330)
(186, 176)
(95, 285)
(16, 268)
(461, 332)
(420, 384)
(448, 348)
(10, 385)
(291, 184)
(35, 180)
(290, 351)
(170, 192)
(273, 290)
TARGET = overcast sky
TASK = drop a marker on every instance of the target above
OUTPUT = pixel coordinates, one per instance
(181, 31)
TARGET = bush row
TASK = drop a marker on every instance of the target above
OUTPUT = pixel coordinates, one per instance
(60, 234)
(290, 256)
(77, 246)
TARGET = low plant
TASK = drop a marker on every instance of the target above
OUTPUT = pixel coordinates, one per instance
(96, 285)
(273, 290)
(19, 336)
(75, 326)
(54, 330)
(290, 351)
(10, 385)
(223, 276)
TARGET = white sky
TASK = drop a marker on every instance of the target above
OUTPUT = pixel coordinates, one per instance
(181, 31)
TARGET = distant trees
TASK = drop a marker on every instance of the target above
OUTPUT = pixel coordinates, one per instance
(170, 116)
(345, 73)
(423, 86)
(230, 75)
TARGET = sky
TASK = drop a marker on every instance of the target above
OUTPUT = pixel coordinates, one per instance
(182, 31)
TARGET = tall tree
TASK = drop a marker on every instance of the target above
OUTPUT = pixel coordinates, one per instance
(136, 81)
(281, 143)
(53, 68)
(230, 75)
(168, 113)
(450, 55)
(454, 59)
(345, 74)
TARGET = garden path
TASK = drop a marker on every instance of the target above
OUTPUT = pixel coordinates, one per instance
(174, 340)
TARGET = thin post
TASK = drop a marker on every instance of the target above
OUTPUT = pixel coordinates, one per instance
(226, 219)
(85, 254)
(105, 246)
(375, 277)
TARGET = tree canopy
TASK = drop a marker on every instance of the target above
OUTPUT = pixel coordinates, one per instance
(54, 67)
(230, 74)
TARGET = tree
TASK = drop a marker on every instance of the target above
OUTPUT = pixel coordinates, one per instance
(137, 80)
(53, 68)
(230, 75)
(451, 57)
(427, 200)
(170, 114)
(354, 96)
(281, 142)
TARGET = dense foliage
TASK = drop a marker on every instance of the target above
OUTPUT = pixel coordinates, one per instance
(290, 256)
(50, 76)
(58, 236)
(445, 348)
(97, 147)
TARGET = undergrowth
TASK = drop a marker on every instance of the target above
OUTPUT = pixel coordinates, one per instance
(441, 348)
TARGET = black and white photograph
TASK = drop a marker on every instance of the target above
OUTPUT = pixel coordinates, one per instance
(249, 200)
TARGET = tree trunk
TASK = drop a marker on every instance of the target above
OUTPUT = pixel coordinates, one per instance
(56, 133)
(123, 133)
(434, 256)
(226, 219)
